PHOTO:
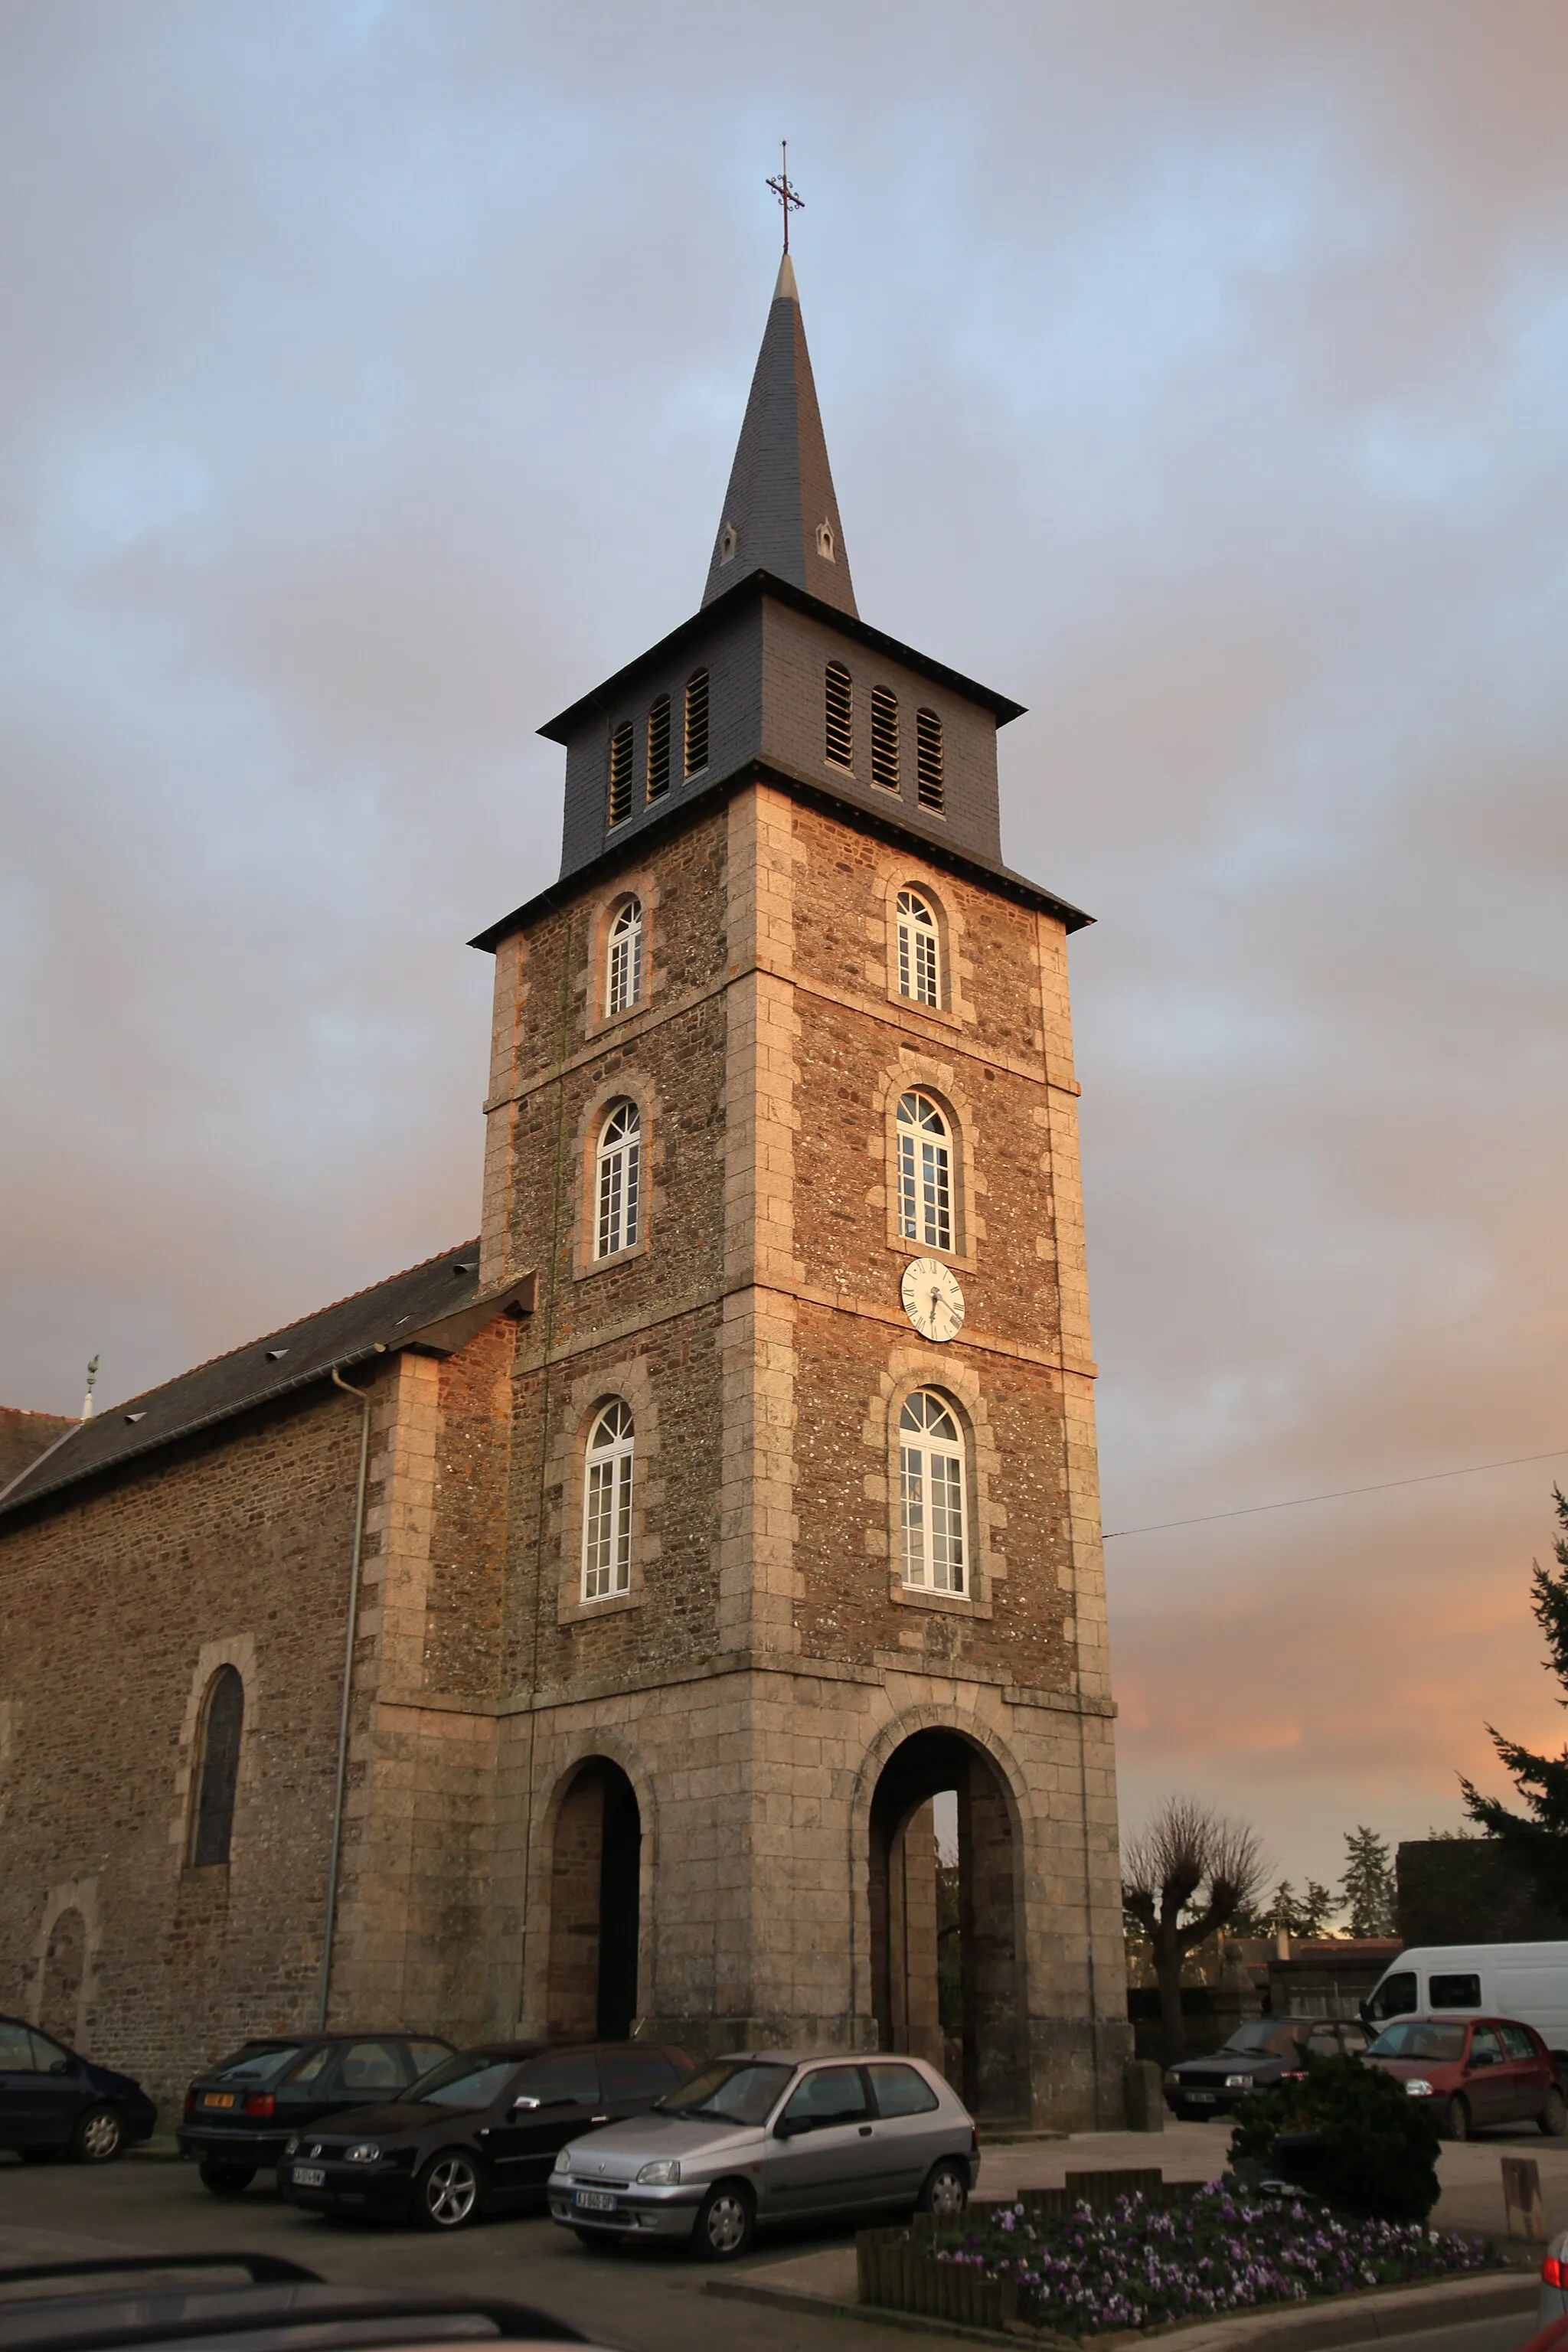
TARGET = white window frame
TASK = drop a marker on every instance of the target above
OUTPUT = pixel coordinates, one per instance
(920, 949)
(618, 1180)
(925, 1171)
(608, 1475)
(623, 958)
(932, 1503)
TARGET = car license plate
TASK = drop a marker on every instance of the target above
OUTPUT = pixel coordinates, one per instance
(217, 2098)
(594, 2201)
(309, 2175)
(1202, 2099)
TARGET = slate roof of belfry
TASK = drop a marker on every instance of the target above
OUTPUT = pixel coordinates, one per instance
(368, 1323)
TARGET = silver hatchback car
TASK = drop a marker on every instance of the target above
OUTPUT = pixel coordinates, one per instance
(768, 2135)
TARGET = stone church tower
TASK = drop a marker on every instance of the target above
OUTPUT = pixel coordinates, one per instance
(591, 1627)
(802, 1512)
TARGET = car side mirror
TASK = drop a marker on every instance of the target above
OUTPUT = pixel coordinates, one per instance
(63, 2066)
(790, 2126)
(523, 2104)
(1481, 2058)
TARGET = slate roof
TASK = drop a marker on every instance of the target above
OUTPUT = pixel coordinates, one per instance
(781, 485)
(432, 1305)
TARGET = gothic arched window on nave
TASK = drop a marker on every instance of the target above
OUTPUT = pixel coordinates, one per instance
(925, 1173)
(607, 1504)
(931, 1493)
(623, 968)
(217, 1767)
(919, 949)
(618, 1180)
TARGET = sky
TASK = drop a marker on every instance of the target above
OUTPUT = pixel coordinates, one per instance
(1197, 375)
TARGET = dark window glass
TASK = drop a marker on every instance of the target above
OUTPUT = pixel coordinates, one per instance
(1517, 2042)
(219, 1771)
(569, 2079)
(1323, 2041)
(1416, 2037)
(884, 738)
(425, 2054)
(899, 2091)
(1454, 1992)
(734, 2091)
(472, 2080)
(621, 774)
(372, 2066)
(313, 2064)
(1395, 1997)
(1486, 2050)
(830, 2095)
(840, 717)
(1354, 2038)
(253, 2065)
(695, 722)
(48, 2055)
(637, 2074)
(15, 2050)
(931, 788)
(659, 748)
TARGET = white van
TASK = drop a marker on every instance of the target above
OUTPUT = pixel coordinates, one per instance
(1527, 1982)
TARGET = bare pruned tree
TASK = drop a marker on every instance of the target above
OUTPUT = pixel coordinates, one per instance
(1189, 1871)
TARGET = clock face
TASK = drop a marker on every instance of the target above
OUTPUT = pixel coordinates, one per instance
(932, 1299)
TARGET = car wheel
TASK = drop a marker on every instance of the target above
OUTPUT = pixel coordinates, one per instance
(1456, 2122)
(726, 2221)
(1553, 2116)
(97, 2136)
(447, 2193)
(946, 2191)
(224, 2179)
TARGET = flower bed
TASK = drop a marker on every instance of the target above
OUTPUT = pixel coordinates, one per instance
(1141, 2261)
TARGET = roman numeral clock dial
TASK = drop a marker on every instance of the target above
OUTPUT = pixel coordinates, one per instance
(932, 1299)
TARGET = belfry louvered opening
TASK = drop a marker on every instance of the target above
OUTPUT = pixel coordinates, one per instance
(840, 717)
(931, 786)
(884, 738)
(695, 722)
(621, 774)
(659, 748)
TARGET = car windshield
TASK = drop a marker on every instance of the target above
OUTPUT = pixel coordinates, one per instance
(255, 2065)
(1416, 2037)
(735, 2090)
(1264, 2038)
(470, 2080)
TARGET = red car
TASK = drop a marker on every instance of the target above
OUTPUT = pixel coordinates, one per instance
(1488, 2071)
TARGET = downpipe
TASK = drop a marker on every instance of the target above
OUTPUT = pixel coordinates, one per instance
(334, 1863)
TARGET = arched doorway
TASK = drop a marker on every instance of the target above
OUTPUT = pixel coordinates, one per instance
(594, 1891)
(947, 1939)
(65, 1965)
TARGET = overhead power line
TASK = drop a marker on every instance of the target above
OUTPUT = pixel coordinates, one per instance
(1336, 1495)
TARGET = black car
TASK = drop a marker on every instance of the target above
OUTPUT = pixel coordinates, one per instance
(54, 2103)
(240, 2113)
(1258, 2055)
(480, 2133)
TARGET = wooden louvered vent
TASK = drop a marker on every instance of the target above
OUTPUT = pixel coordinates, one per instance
(695, 722)
(659, 748)
(884, 738)
(840, 717)
(621, 774)
(930, 782)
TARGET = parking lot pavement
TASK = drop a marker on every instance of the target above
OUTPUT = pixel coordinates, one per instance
(648, 2300)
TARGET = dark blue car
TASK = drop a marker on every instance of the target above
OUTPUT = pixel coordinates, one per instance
(54, 2104)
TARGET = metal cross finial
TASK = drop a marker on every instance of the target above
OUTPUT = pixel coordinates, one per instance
(784, 191)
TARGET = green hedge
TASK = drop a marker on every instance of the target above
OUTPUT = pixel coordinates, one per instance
(1378, 2146)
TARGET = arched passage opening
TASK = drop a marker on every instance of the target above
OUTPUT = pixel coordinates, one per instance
(947, 1937)
(594, 1891)
(65, 1966)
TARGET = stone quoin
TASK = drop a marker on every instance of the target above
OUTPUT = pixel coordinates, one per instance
(683, 1584)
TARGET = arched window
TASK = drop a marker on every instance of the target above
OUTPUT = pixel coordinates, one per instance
(925, 1174)
(619, 1184)
(840, 694)
(659, 748)
(930, 1493)
(930, 789)
(919, 956)
(621, 774)
(695, 722)
(217, 1767)
(607, 1505)
(623, 971)
(884, 738)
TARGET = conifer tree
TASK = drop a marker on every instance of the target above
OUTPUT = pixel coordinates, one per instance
(1367, 1888)
(1537, 1838)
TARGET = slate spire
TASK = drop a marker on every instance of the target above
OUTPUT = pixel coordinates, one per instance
(780, 514)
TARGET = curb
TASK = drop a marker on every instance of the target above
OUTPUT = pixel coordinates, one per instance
(1351, 2319)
